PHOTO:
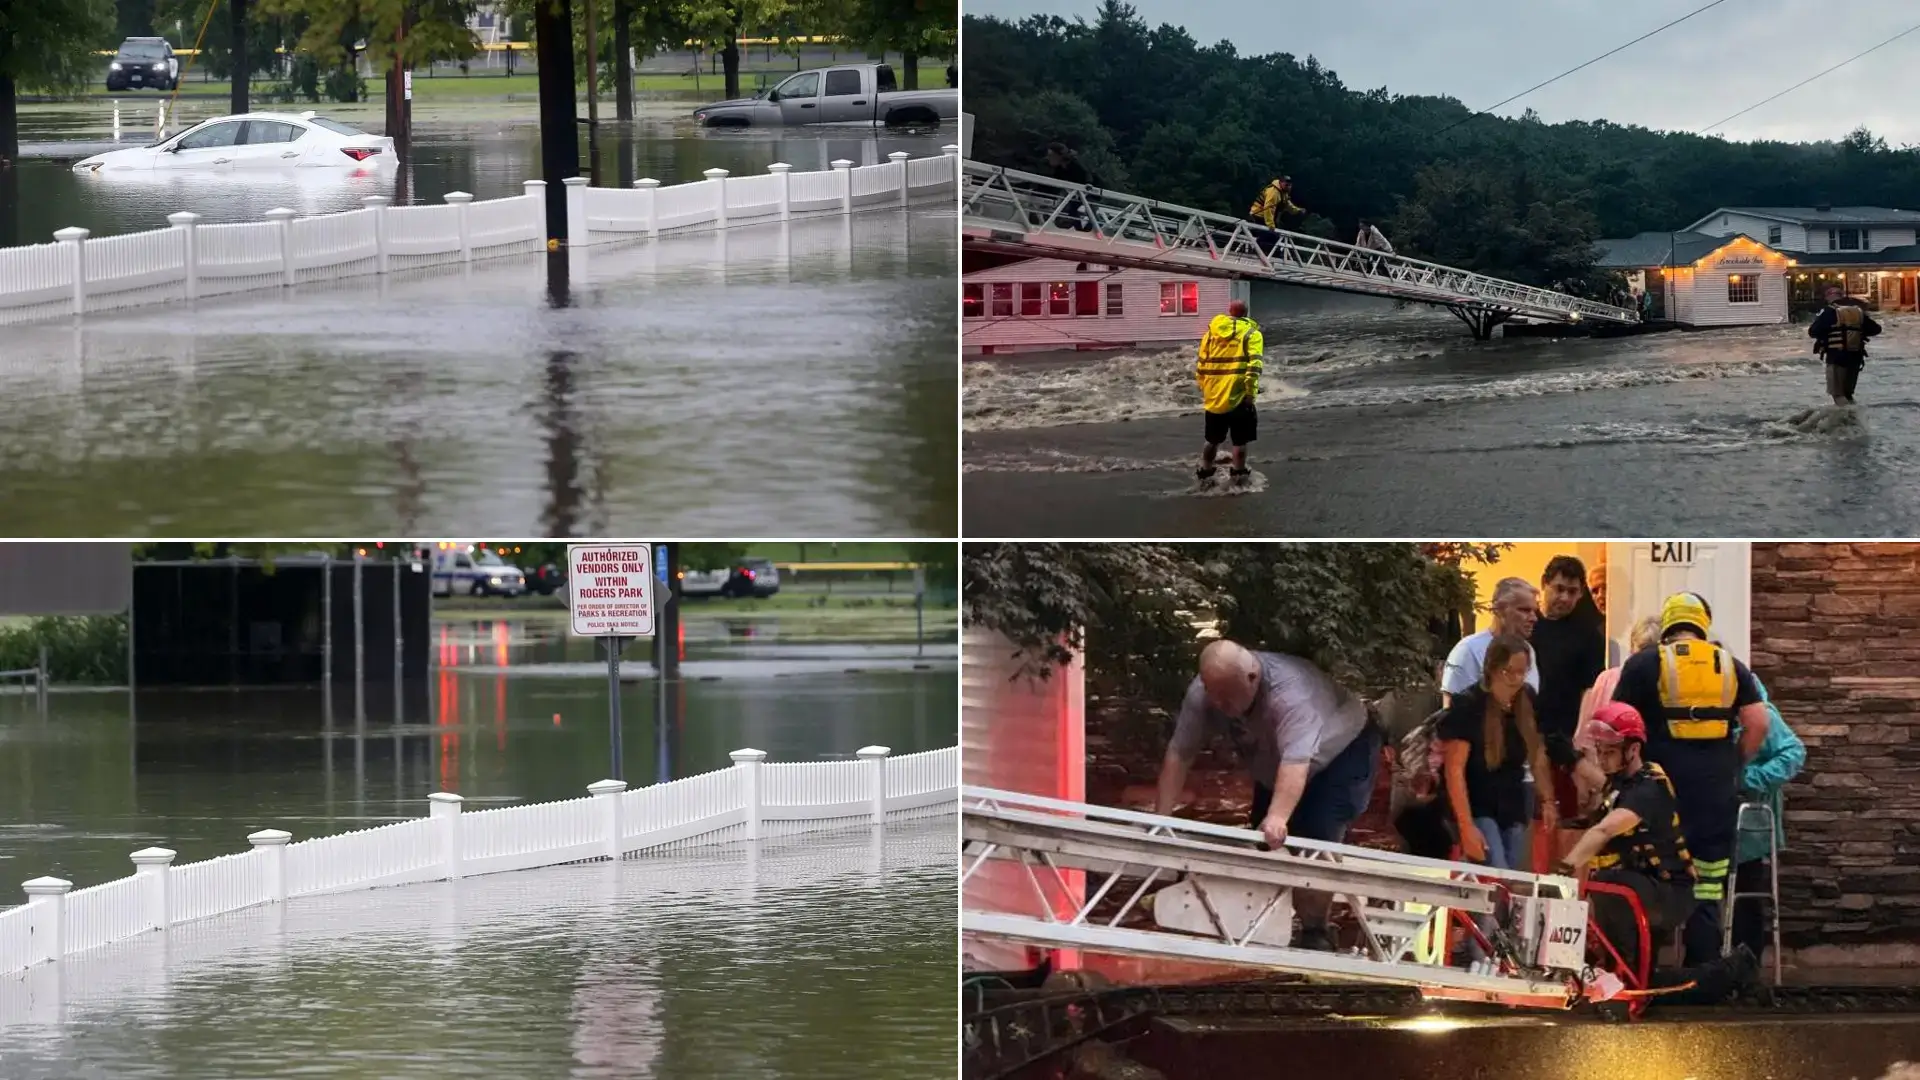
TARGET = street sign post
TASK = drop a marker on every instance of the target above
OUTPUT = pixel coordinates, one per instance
(919, 611)
(610, 593)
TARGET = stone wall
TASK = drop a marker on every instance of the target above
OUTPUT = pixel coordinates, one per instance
(1836, 639)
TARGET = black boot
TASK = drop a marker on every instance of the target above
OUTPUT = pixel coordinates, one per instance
(1205, 472)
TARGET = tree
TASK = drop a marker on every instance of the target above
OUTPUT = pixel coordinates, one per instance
(722, 23)
(710, 556)
(411, 32)
(45, 45)
(1372, 615)
(913, 28)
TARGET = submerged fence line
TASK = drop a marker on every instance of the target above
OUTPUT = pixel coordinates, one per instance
(750, 801)
(79, 272)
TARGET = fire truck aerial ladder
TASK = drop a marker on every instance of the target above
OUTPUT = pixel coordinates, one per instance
(1195, 891)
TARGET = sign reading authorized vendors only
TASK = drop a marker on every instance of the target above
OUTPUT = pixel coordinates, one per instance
(610, 588)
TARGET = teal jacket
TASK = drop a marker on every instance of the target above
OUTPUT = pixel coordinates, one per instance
(1780, 759)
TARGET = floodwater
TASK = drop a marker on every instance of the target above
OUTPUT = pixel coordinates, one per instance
(485, 151)
(1773, 1048)
(516, 713)
(774, 380)
(828, 956)
(1385, 422)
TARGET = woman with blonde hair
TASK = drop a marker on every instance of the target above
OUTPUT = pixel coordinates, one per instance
(1488, 739)
(1588, 778)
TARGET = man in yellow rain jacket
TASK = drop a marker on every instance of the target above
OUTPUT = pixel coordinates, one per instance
(1275, 202)
(1229, 376)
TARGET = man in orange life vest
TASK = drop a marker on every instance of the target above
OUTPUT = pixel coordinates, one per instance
(1229, 375)
(1840, 334)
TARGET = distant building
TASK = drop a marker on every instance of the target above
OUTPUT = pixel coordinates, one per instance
(1704, 274)
(1033, 305)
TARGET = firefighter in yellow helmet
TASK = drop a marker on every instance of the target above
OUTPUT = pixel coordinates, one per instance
(1705, 718)
(1840, 334)
(1229, 375)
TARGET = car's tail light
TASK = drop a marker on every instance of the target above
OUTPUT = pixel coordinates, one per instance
(358, 153)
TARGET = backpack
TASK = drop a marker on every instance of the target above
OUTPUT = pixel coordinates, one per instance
(1418, 763)
(1850, 319)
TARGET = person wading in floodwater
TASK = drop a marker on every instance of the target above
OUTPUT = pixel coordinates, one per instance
(1840, 334)
(1229, 375)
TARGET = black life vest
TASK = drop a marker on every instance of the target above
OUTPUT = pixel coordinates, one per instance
(1659, 853)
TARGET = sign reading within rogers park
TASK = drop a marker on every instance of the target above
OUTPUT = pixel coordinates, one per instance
(610, 587)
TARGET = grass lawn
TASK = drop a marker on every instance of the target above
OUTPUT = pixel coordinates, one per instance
(831, 553)
(484, 84)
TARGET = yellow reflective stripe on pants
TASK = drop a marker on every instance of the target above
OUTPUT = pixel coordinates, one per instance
(1712, 883)
(1711, 867)
(1716, 890)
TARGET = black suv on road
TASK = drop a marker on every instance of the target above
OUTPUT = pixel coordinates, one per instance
(144, 62)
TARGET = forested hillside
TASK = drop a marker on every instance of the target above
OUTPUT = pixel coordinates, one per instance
(1154, 112)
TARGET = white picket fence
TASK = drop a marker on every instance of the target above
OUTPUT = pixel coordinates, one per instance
(748, 802)
(79, 273)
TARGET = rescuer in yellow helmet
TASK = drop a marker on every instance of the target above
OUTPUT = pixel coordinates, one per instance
(1229, 375)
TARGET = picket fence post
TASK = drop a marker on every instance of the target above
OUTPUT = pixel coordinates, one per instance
(899, 158)
(576, 211)
(719, 178)
(952, 150)
(536, 192)
(463, 200)
(652, 187)
(785, 172)
(445, 808)
(875, 758)
(154, 865)
(283, 217)
(845, 169)
(608, 793)
(47, 896)
(76, 240)
(187, 223)
(378, 204)
(747, 763)
(271, 845)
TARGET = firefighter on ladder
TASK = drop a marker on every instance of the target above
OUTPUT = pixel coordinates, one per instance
(1708, 720)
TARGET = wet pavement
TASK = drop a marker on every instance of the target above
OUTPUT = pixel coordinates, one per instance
(100, 777)
(1761, 1048)
(825, 956)
(1385, 422)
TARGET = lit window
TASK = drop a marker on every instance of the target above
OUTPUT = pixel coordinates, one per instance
(1743, 288)
(1169, 298)
(1003, 300)
(1189, 298)
(1113, 299)
(972, 302)
(1060, 298)
(1031, 303)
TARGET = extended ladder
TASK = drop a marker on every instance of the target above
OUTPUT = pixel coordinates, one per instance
(1020, 213)
(1222, 899)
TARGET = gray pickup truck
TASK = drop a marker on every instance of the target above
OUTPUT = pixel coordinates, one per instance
(845, 94)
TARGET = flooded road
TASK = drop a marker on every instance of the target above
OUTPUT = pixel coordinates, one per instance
(769, 380)
(99, 777)
(1382, 422)
(824, 956)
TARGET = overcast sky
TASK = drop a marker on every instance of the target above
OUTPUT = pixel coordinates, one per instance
(1684, 78)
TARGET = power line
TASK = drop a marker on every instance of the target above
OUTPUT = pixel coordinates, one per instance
(1590, 63)
(1810, 78)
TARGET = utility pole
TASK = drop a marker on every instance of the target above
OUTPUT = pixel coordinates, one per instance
(400, 95)
(593, 71)
(559, 135)
(623, 61)
(242, 69)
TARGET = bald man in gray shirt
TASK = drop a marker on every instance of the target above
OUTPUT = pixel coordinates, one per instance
(1307, 741)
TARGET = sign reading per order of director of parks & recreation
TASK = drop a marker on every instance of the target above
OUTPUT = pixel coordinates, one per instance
(610, 588)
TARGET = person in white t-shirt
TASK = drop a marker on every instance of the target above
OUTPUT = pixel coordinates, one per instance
(1371, 238)
(1516, 607)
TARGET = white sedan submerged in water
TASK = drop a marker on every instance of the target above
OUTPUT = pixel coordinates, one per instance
(255, 141)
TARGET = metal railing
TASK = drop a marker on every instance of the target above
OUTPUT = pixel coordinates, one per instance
(33, 678)
(1073, 221)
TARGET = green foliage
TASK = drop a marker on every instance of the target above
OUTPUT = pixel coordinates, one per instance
(180, 21)
(47, 45)
(1205, 127)
(80, 648)
(433, 30)
(1371, 614)
(710, 556)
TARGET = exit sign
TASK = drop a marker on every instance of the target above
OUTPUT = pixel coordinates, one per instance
(1672, 553)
